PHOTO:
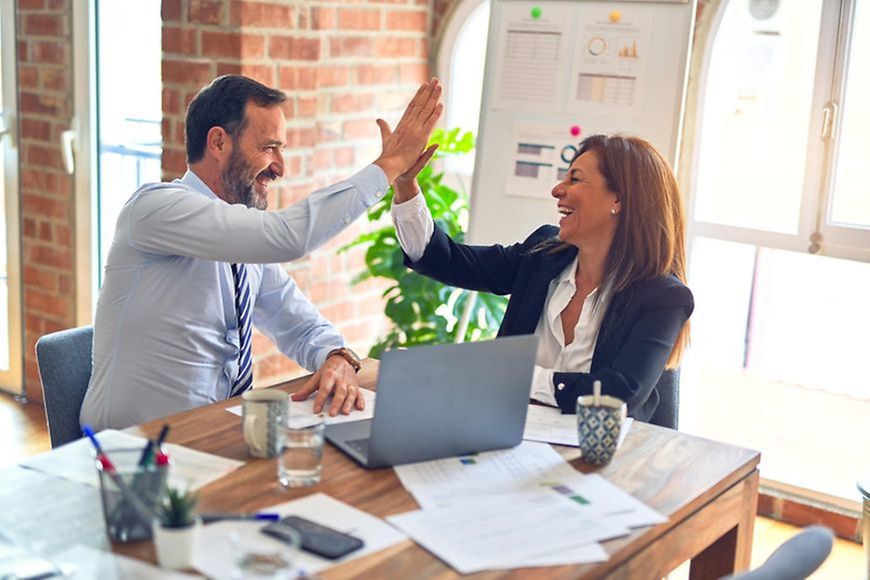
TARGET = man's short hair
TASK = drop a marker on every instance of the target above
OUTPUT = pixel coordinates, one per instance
(222, 104)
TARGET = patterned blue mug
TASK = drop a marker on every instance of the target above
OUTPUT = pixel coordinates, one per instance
(598, 427)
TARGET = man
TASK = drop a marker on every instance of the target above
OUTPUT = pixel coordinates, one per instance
(194, 263)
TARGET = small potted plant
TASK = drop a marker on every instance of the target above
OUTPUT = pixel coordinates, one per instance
(176, 529)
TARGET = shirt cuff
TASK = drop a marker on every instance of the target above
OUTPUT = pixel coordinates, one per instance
(414, 225)
(372, 184)
(542, 386)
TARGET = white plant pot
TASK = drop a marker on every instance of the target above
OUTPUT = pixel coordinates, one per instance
(175, 546)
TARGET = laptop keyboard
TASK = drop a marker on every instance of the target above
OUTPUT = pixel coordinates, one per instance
(361, 446)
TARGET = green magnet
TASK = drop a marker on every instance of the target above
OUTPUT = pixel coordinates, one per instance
(536, 12)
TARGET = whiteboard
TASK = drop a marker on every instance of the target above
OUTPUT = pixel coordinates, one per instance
(558, 71)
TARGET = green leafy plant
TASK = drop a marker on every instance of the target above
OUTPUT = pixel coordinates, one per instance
(422, 310)
(177, 508)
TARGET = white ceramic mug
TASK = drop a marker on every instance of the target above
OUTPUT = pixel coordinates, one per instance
(264, 413)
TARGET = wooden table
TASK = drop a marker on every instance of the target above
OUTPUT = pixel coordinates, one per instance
(707, 489)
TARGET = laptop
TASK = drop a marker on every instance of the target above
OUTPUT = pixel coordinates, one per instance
(443, 401)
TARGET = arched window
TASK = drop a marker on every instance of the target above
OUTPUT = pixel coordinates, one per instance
(460, 65)
(779, 232)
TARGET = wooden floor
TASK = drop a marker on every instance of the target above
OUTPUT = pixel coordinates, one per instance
(23, 432)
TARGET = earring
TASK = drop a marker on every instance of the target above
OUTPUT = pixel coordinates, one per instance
(612, 211)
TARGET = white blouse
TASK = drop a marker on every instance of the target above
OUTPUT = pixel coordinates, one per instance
(414, 228)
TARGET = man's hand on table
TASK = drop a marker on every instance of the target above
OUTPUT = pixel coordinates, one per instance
(338, 378)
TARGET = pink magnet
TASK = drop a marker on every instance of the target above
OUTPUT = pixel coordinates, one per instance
(575, 130)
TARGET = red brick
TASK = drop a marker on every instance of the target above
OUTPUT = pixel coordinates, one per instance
(44, 24)
(360, 129)
(413, 73)
(396, 47)
(408, 20)
(171, 101)
(28, 77)
(322, 159)
(323, 18)
(306, 107)
(185, 72)
(352, 103)
(297, 78)
(293, 48)
(43, 156)
(29, 227)
(33, 129)
(39, 180)
(30, 5)
(170, 11)
(63, 234)
(424, 49)
(359, 19)
(50, 256)
(45, 232)
(174, 162)
(57, 5)
(351, 46)
(54, 79)
(49, 52)
(358, 332)
(206, 11)
(65, 285)
(233, 45)
(178, 40)
(45, 207)
(41, 104)
(46, 303)
(345, 157)
(338, 312)
(261, 15)
(40, 278)
(375, 74)
(333, 76)
(300, 138)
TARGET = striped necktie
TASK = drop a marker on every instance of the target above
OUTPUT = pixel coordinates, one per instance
(243, 309)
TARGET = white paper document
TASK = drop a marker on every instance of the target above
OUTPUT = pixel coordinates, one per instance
(531, 55)
(75, 461)
(538, 531)
(549, 425)
(306, 407)
(220, 544)
(610, 60)
(84, 563)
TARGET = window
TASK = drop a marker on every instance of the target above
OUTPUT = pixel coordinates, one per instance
(779, 234)
(461, 58)
(118, 139)
(10, 265)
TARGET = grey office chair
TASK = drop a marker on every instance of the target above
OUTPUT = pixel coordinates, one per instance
(65, 363)
(668, 412)
(796, 558)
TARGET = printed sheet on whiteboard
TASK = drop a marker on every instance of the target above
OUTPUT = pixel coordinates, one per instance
(610, 60)
(532, 57)
(540, 156)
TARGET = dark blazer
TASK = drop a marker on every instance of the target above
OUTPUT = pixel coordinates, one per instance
(637, 332)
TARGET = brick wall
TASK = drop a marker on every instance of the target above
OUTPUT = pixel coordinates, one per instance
(343, 63)
(46, 108)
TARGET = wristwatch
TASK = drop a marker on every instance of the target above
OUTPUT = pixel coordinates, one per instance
(351, 357)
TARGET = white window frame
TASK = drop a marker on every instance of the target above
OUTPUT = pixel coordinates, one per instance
(834, 241)
(11, 380)
(83, 143)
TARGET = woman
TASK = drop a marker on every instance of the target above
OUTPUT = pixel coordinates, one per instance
(604, 292)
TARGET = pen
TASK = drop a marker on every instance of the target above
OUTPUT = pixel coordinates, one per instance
(161, 458)
(146, 454)
(266, 517)
(113, 473)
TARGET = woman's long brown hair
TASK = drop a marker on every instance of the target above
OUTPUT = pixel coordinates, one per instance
(650, 237)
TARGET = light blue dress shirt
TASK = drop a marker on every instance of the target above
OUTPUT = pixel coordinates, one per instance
(166, 336)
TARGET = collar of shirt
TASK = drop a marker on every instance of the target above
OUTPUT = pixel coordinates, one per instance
(191, 179)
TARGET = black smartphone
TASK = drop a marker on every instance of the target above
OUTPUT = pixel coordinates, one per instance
(316, 538)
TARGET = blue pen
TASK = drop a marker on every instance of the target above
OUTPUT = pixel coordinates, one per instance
(261, 517)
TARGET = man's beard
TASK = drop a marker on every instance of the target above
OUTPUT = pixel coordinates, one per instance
(239, 182)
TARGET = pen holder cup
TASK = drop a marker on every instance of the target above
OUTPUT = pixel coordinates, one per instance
(598, 427)
(131, 494)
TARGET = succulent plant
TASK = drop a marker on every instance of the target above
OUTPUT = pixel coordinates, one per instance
(177, 508)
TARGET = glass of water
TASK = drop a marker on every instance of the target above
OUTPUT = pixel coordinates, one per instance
(301, 458)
